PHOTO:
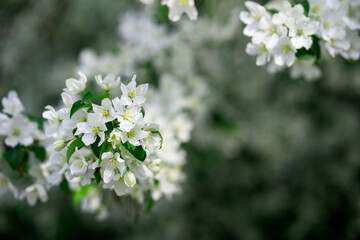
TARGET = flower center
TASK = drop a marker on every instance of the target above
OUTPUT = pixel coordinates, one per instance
(182, 2)
(81, 164)
(111, 162)
(272, 30)
(96, 130)
(171, 177)
(257, 17)
(332, 42)
(132, 93)
(300, 32)
(327, 25)
(263, 48)
(316, 9)
(106, 113)
(351, 13)
(131, 134)
(286, 48)
(81, 119)
(126, 114)
(16, 132)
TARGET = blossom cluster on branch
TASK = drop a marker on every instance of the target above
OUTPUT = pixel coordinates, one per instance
(22, 152)
(91, 141)
(295, 35)
(177, 8)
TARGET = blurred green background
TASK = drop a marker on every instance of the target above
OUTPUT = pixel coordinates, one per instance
(275, 158)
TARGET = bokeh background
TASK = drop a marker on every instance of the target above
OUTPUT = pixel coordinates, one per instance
(272, 158)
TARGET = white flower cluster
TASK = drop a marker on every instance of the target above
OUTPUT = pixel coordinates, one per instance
(293, 35)
(21, 154)
(108, 142)
(14, 125)
(177, 8)
(177, 103)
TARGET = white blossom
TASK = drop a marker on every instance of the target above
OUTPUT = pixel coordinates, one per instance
(93, 127)
(6, 185)
(178, 7)
(134, 135)
(111, 163)
(284, 52)
(253, 17)
(12, 104)
(19, 130)
(109, 82)
(132, 94)
(74, 86)
(105, 111)
(34, 192)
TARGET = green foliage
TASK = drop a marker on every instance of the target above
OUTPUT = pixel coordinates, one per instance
(13, 157)
(149, 204)
(272, 11)
(77, 143)
(143, 111)
(161, 13)
(103, 96)
(137, 151)
(95, 147)
(77, 106)
(97, 176)
(79, 194)
(87, 96)
(161, 137)
(64, 186)
(38, 120)
(39, 151)
(313, 52)
(104, 148)
(306, 6)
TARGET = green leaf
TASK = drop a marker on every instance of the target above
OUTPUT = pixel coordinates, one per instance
(104, 148)
(77, 143)
(149, 204)
(272, 11)
(306, 6)
(103, 96)
(313, 51)
(77, 106)
(161, 13)
(305, 57)
(97, 175)
(95, 148)
(137, 151)
(109, 126)
(12, 156)
(161, 137)
(64, 186)
(38, 120)
(39, 151)
(87, 96)
(79, 194)
(143, 111)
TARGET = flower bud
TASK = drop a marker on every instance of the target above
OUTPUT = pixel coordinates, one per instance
(59, 145)
(129, 179)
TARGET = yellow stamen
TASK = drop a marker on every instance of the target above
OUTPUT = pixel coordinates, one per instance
(106, 113)
(131, 134)
(182, 2)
